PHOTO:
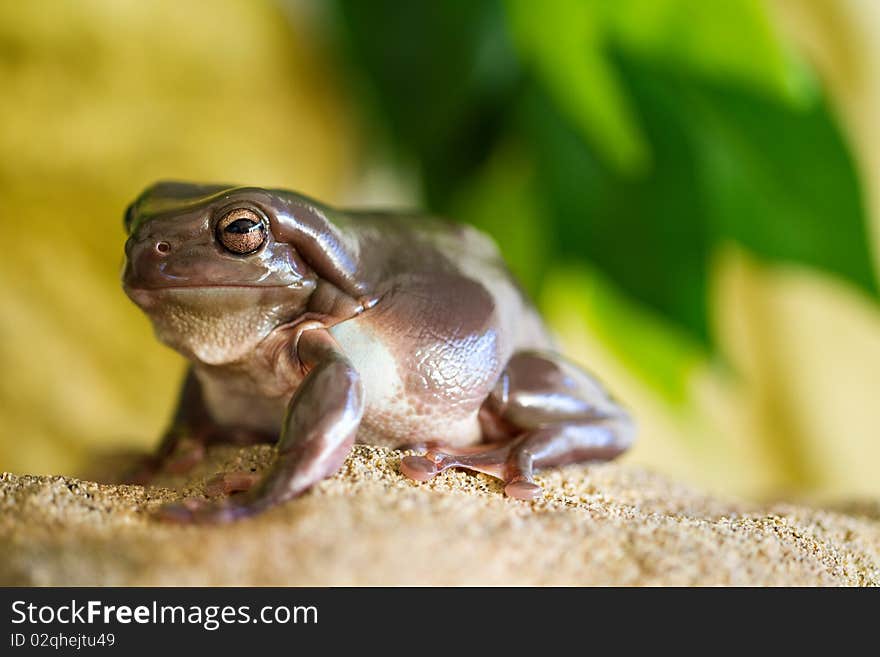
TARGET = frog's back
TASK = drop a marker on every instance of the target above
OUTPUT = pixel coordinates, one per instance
(429, 254)
(450, 316)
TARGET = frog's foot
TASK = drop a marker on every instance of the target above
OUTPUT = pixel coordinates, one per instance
(193, 510)
(230, 482)
(230, 496)
(493, 460)
(198, 510)
(515, 462)
(186, 454)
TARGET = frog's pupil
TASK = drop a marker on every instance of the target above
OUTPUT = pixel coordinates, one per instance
(242, 226)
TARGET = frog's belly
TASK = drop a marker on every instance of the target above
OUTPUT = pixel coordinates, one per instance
(393, 414)
(400, 431)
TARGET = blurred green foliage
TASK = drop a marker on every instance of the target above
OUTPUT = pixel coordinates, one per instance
(639, 136)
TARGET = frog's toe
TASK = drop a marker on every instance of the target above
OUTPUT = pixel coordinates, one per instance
(180, 512)
(230, 482)
(419, 468)
(194, 511)
(522, 489)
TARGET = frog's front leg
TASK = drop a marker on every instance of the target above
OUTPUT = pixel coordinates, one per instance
(319, 430)
(546, 412)
(184, 443)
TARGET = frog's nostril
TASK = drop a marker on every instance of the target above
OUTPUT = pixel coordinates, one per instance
(163, 247)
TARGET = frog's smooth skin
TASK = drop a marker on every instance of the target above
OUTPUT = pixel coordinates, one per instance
(314, 328)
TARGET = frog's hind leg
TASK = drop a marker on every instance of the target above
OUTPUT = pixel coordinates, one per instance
(550, 412)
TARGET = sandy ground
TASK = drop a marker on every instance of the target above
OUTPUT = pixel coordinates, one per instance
(596, 525)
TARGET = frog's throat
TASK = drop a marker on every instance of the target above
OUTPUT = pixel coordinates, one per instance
(216, 325)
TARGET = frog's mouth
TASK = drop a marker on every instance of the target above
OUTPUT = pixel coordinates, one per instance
(149, 297)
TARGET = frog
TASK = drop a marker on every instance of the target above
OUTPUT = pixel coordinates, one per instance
(312, 328)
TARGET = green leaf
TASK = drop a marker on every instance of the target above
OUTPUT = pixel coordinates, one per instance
(780, 181)
(648, 232)
(568, 44)
(440, 78)
(649, 346)
(728, 165)
(731, 41)
(502, 200)
(563, 41)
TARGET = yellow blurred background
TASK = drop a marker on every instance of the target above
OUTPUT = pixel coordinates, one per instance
(104, 97)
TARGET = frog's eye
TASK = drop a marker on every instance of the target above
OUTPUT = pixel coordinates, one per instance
(241, 231)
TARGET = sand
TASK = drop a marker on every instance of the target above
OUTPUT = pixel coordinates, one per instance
(610, 524)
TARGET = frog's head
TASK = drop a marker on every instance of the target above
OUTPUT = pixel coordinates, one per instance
(215, 267)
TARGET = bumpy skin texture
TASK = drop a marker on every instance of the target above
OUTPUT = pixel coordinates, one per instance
(349, 326)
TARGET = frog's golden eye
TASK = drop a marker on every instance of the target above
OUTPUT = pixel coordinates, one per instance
(241, 231)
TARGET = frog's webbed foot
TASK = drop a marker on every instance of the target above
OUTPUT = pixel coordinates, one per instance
(490, 459)
(516, 462)
(554, 413)
(492, 462)
(193, 510)
(198, 510)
